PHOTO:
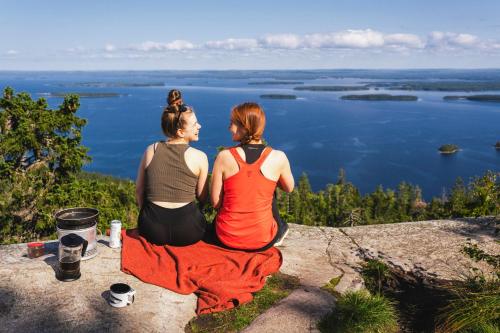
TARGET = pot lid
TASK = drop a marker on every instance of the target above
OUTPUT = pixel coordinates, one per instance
(72, 240)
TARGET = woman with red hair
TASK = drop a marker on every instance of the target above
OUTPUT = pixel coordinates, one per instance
(244, 180)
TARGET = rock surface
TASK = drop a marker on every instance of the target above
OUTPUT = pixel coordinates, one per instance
(31, 299)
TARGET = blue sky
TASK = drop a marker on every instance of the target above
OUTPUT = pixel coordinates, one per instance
(135, 35)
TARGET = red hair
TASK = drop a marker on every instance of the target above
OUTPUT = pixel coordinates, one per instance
(251, 118)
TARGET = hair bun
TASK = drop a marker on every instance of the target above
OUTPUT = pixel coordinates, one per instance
(174, 97)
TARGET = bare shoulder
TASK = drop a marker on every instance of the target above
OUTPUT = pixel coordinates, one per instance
(278, 156)
(149, 153)
(196, 159)
(224, 155)
(151, 148)
(197, 153)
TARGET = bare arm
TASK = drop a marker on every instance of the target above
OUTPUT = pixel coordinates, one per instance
(202, 186)
(216, 190)
(286, 181)
(141, 172)
(139, 182)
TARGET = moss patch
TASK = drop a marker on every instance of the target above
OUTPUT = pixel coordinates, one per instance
(330, 286)
(277, 287)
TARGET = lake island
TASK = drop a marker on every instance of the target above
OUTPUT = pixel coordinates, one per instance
(278, 96)
(448, 149)
(474, 98)
(380, 97)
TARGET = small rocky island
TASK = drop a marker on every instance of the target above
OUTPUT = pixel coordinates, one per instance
(278, 96)
(474, 98)
(448, 149)
(380, 97)
(497, 145)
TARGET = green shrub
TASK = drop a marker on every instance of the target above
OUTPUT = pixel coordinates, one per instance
(360, 312)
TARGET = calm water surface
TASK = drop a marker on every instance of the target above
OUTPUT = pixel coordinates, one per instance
(375, 142)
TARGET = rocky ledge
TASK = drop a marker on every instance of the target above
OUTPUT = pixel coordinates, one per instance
(31, 299)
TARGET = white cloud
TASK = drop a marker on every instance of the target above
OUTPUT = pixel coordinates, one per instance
(281, 41)
(109, 48)
(233, 44)
(179, 45)
(348, 39)
(12, 52)
(176, 45)
(404, 40)
(343, 41)
(77, 49)
(451, 40)
(464, 40)
(358, 39)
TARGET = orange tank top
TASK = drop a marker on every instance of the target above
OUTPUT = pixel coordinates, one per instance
(245, 219)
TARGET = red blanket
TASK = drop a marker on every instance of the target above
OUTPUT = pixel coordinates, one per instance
(221, 278)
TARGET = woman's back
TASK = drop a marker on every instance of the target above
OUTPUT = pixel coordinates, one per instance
(245, 219)
(168, 178)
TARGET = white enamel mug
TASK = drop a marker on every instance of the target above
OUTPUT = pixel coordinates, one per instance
(121, 295)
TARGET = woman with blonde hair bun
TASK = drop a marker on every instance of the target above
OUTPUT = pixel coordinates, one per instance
(170, 177)
(244, 180)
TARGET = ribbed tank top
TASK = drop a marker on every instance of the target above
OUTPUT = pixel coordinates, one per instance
(168, 178)
(245, 219)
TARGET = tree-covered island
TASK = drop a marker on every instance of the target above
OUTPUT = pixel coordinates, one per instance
(114, 84)
(265, 83)
(380, 97)
(278, 96)
(332, 88)
(474, 98)
(83, 94)
(497, 145)
(465, 86)
(448, 149)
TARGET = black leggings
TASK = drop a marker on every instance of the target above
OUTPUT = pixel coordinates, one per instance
(173, 226)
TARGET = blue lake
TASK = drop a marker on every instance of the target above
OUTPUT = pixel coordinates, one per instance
(375, 142)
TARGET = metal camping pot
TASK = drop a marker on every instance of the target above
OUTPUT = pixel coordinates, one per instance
(81, 221)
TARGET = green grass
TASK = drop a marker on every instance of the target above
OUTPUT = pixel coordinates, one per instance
(277, 287)
(376, 275)
(474, 308)
(483, 328)
(360, 312)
